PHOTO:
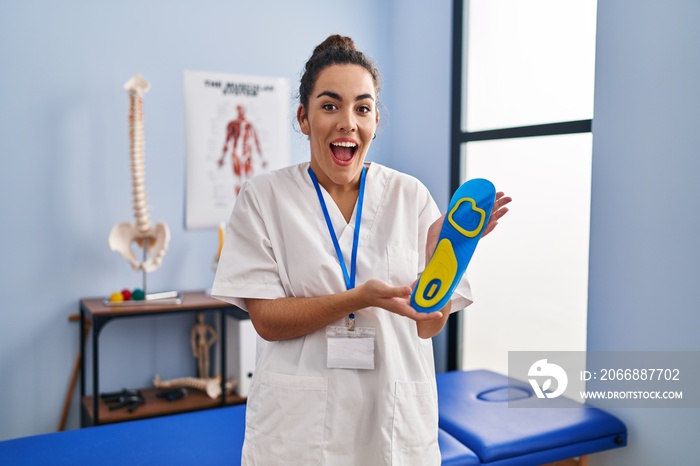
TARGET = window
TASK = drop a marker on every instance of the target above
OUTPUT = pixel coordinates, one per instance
(523, 73)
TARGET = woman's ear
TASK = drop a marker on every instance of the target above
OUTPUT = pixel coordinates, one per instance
(303, 120)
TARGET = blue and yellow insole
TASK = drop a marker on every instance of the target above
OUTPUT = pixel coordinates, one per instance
(467, 216)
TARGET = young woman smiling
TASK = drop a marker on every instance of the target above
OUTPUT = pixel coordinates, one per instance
(323, 255)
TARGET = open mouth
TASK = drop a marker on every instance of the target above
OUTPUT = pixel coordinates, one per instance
(343, 151)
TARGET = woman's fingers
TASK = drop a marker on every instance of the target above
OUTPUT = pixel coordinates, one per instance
(396, 299)
(498, 211)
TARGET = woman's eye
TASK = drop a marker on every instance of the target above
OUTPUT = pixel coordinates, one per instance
(364, 109)
(329, 107)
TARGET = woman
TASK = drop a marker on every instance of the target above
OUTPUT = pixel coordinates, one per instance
(322, 256)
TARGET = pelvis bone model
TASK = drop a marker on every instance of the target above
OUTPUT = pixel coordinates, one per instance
(154, 241)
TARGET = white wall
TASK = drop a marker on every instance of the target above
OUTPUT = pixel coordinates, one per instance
(644, 254)
(64, 174)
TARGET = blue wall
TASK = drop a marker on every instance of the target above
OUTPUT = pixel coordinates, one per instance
(419, 91)
(65, 180)
(644, 254)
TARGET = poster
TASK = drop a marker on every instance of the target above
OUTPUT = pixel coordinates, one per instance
(236, 126)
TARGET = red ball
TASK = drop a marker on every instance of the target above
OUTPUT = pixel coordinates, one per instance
(126, 294)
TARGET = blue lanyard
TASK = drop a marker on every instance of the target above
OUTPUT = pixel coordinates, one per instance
(349, 278)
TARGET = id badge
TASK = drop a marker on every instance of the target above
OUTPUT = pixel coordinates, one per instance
(350, 349)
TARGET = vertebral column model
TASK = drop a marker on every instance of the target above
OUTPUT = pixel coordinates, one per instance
(154, 241)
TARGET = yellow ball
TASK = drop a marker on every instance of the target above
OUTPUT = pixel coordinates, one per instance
(116, 297)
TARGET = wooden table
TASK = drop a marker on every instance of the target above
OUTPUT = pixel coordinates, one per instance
(93, 410)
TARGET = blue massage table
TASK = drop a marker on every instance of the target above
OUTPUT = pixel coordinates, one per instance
(494, 416)
(476, 428)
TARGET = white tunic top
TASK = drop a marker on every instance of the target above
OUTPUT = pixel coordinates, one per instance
(300, 412)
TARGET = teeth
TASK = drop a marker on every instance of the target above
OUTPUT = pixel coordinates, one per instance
(344, 144)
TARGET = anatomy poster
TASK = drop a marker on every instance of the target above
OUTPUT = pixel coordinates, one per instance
(236, 127)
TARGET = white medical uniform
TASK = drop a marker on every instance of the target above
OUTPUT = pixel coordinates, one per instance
(300, 412)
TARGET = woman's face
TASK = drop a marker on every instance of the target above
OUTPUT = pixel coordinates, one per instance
(340, 120)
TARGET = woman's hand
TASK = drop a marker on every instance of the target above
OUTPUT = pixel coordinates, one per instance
(498, 211)
(394, 299)
(432, 238)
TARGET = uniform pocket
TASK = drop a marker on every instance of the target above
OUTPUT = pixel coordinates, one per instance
(402, 265)
(414, 433)
(286, 415)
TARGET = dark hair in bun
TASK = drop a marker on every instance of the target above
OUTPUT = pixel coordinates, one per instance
(335, 50)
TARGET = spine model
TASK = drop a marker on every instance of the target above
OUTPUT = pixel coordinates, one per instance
(153, 240)
(136, 87)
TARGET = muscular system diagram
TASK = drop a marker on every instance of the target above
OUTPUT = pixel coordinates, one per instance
(241, 134)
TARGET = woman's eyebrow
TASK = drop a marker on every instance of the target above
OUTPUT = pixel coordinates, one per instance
(330, 94)
(336, 96)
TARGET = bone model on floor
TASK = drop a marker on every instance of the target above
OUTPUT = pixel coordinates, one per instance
(154, 241)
